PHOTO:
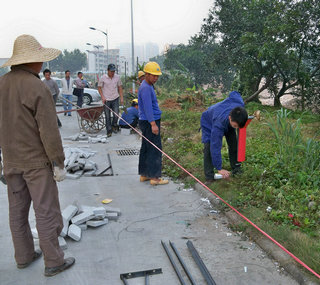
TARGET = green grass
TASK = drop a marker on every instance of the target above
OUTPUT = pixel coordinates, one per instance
(282, 182)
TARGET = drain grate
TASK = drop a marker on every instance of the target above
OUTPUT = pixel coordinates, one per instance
(124, 152)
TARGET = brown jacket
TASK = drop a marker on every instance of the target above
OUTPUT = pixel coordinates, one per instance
(29, 135)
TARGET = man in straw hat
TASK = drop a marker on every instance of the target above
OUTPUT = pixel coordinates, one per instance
(32, 155)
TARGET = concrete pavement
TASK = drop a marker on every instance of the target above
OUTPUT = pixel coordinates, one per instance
(133, 243)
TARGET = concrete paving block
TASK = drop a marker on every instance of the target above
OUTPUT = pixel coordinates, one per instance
(99, 211)
(112, 216)
(83, 227)
(34, 233)
(112, 210)
(62, 243)
(74, 232)
(64, 231)
(82, 161)
(89, 166)
(72, 176)
(85, 208)
(69, 212)
(83, 217)
(79, 172)
(89, 173)
(95, 224)
(99, 217)
(36, 242)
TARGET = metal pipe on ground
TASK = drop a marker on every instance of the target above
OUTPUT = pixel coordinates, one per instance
(182, 263)
(173, 263)
(204, 270)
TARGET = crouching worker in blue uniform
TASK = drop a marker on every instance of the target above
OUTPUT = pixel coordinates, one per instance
(131, 116)
(222, 119)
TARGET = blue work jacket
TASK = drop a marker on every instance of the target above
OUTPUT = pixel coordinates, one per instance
(215, 123)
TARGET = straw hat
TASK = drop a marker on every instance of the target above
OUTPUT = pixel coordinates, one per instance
(27, 49)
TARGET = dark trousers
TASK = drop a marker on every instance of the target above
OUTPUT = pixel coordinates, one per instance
(114, 106)
(150, 159)
(38, 186)
(232, 142)
(55, 101)
(80, 97)
(133, 124)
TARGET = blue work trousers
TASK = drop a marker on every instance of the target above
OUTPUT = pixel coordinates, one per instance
(150, 159)
(67, 105)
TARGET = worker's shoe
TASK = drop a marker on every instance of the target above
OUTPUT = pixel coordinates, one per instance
(109, 134)
(36, 255)
(208, 182)
(115, 130)
(159, 182)
(236, 171)
(144, 178)
(51, 271)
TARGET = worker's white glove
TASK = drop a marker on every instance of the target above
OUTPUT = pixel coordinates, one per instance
(59, 174)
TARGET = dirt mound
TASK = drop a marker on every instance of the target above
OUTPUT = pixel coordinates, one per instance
(171, 104)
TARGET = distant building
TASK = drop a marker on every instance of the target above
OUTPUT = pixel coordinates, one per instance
(123, 66)
(151, 50)
(168, 47)
(99, 58)
(142, 53)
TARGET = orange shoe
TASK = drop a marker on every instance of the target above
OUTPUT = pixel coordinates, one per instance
(144, 178)
(159, 182)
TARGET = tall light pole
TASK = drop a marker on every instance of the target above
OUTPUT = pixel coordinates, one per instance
(132, 49)
(95, 55)
(106, 34)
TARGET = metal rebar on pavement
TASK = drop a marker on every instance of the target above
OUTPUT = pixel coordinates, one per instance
(182, 263)
(204, 270)
(173, 263)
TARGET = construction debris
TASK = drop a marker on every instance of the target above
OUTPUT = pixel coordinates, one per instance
(83, 137)
(77, 164)
(76, 218)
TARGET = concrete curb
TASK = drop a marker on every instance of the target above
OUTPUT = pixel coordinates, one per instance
(285, 260)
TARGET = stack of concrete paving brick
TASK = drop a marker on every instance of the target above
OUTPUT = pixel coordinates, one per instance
(84, 138)
(77, 163)
(77, 219)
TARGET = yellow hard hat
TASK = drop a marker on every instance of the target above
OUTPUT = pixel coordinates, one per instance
(140, 73)
(153, 68)
(135, 101)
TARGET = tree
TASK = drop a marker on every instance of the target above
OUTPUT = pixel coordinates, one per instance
(271, 39)
(74, 61)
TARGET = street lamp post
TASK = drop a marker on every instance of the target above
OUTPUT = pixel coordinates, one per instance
(106, 34)
(95, 54)
(132, 49)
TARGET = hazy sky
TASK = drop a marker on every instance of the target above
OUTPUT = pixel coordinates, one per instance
(65, 24)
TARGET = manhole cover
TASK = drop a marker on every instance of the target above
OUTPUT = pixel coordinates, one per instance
(123, 152)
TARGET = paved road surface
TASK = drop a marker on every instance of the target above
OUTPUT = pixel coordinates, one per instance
(133, 243)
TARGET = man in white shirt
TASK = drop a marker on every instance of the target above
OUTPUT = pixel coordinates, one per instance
(110, 89)
(67, 91)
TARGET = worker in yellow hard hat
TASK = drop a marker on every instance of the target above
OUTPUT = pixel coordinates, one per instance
(150, 159)
(141, 76)
(130, 116)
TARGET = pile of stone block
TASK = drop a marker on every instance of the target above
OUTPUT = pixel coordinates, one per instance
(76, 162)
(77, 219)
(85, 138)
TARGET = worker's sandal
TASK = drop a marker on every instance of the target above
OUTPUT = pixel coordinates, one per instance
(144, 178)
(159, 182)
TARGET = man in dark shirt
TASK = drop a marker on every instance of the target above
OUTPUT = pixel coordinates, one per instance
(53, 87)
